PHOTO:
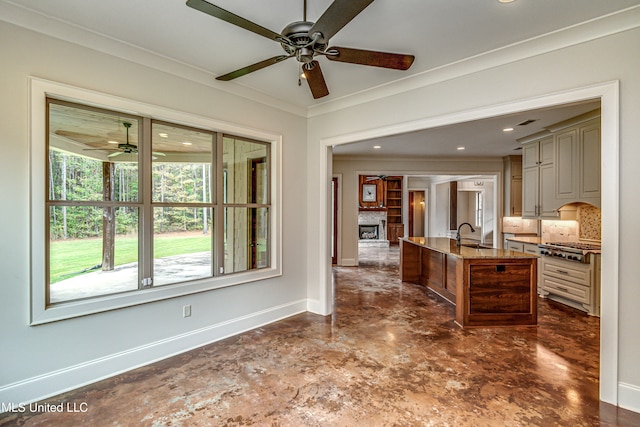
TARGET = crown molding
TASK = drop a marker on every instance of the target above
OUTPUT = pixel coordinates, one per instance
(53, 27)
(603, 26)
(600, 27)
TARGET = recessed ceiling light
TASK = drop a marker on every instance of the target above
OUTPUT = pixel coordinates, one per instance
(187, 143)
(506, 1)
(507, 129)
(113, 142)
(460, 148)
(163, 135)
(376, 147)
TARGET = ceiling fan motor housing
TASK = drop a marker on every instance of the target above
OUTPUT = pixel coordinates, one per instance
(301, 42)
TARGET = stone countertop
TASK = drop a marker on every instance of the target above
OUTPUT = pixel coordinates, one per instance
(449, 247)
(536, 240)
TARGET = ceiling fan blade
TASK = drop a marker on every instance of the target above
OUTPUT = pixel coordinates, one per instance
(315, 79)
(234, 19)
(116, 154)
(251, 68)
(158, 153)
(396, 61)
(337, 15)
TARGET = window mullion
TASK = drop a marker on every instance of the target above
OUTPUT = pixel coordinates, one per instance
(146, 214)
(218, 238)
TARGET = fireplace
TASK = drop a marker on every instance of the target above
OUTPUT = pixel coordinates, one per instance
(372, 229)
(368, 231)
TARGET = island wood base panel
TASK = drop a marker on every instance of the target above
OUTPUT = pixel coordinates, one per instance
(486, 290)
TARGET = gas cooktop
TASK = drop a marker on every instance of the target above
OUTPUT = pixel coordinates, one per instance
(583, 246)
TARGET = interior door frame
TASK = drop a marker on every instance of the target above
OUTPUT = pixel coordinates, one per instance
(334, 228)
(609, 95)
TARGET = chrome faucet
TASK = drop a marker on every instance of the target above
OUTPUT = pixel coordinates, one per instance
(458, 233)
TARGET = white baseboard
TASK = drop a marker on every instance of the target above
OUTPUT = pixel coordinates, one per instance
(629, 397)
(316, 307)
(349, 262)
(53, 383)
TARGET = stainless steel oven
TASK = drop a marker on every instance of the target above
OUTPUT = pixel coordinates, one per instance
(570, 274)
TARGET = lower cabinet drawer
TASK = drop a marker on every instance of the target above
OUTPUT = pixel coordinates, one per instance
(577, 273)
(572, 291)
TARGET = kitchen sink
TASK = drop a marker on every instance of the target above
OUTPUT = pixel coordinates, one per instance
(476, 246)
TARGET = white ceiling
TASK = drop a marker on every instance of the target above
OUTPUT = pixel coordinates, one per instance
(480, 138)
(437, 32)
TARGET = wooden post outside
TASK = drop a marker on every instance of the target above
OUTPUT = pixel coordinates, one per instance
(108, 216)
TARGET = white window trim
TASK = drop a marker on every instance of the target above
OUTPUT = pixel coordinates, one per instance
(39, 90)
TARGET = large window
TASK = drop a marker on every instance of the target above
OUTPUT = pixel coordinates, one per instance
(135, 206)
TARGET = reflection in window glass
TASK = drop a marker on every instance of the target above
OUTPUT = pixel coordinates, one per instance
(246, 239)
(181, 164)
(111, 230)
(98, 257)
(182, 244)
(246, 169)
(88, 149)
(92, 158)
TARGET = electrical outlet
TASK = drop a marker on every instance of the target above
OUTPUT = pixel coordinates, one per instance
(186, 311)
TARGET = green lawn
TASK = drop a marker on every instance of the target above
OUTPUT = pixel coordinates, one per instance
(70, 257)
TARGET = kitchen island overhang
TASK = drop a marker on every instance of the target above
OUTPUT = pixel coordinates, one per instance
(489, 287)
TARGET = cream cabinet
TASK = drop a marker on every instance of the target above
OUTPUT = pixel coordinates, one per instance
(515, 246)
(576, 284)
(561, 165)
(589, 189)
(538, 179)
(577, 151)
(566, 146)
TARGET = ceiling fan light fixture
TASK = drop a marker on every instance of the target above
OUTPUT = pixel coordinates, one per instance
(304, 40)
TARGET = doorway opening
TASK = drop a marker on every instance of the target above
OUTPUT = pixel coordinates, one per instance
(417, 213)
(608, 95)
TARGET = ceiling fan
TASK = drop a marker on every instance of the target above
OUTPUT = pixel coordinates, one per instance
(304, 40)
(126, 148)
(375, 178)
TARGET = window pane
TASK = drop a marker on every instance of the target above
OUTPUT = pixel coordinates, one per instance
(91, 157)
(181, 164)
(246, 172)
(246, 239)
(182, 244)
(91, 255)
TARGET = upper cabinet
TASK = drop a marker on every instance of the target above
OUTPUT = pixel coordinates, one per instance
(538, 192)
(589, 162)
(578, 161)
(560, 166)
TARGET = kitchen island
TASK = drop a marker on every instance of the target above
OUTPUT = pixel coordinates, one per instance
(489, 287)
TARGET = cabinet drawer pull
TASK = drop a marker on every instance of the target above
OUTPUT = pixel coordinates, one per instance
(562, 272)
(562, 289)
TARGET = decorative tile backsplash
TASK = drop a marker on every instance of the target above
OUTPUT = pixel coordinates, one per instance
(586, 225)
(517, 225)
(589, 221)
(559, 231)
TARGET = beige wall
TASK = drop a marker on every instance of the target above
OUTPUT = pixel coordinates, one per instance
(39, 360)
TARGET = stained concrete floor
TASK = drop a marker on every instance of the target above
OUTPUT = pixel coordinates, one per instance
(389, 356)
